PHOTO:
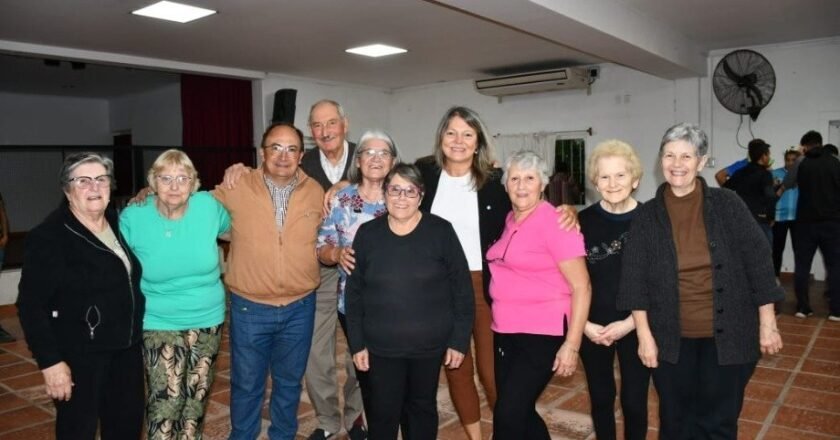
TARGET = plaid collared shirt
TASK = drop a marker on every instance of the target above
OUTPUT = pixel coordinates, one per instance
(280, 196)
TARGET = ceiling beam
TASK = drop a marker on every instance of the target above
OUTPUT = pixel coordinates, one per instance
(606, 29)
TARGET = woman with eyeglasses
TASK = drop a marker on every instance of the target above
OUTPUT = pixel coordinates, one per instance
(81, 308)
(541, 295)
(409, 305)
(174, 236)
(363, 200)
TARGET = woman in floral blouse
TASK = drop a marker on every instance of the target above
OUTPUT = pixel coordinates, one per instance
(361, 201)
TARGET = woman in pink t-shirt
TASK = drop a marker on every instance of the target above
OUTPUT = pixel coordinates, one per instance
(541, 293)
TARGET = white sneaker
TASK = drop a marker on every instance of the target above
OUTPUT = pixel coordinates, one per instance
(834, 318)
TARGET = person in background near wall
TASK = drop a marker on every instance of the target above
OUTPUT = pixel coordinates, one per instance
(81, 308)
(562, 188)
(4, 240)
(818, 225)
(541, 295)
(785, 211)
(185, 302)
(698, 278)
(615, 171)
(754, 184)
(831, 148)
(723, 175)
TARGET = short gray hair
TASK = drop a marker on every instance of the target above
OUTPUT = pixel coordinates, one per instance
(354, 173)
(526, 160)
(335, 104)
(691, 133)
(76, 160)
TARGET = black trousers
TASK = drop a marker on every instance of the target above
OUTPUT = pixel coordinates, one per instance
(403, 388)
(635, 379)
(810, 236)
(780, 233)
(108, 392)
(523, 369)
(699, 399)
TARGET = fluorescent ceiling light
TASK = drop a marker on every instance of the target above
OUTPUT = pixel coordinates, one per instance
(376, 50)
(173, 12)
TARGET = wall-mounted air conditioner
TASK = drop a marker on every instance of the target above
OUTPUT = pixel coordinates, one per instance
(534, 82)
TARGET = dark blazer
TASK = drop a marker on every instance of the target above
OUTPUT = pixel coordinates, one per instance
(75, 293)
(493, 207)
(311, 164)
(742, 275)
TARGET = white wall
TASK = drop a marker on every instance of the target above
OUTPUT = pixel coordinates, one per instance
(153, 117)
(52, 120)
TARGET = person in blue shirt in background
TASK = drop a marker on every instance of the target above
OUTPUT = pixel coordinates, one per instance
(785, 210)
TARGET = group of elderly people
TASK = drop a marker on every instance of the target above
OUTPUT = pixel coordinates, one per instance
(122, 310)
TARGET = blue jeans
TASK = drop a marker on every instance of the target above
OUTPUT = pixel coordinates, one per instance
(267, 338)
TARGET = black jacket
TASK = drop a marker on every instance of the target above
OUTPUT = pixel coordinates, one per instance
(754, 184)
(742, 275)
(75, 293)
(493, 207)
(311, 164)
(818, 178)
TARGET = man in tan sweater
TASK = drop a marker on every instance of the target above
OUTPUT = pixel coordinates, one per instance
(272, 273)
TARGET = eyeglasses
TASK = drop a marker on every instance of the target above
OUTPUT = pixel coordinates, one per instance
(85, 182)
(177, 180)
(277, 149)
(371, 153)
(395, 191)
(502, 259)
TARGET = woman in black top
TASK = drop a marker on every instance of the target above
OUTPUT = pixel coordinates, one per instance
(81, 308)
(615, 171)
(409, 304)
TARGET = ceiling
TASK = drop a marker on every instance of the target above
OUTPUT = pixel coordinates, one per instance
(446, 40)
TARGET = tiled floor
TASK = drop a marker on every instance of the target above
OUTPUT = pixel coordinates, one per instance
(795, 395)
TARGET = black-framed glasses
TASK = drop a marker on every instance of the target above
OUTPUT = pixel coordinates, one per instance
(395, 191)
(85, 182)
(507, 246)
(177, 180)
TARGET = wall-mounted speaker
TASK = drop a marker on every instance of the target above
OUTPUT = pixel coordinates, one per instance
(284, 106)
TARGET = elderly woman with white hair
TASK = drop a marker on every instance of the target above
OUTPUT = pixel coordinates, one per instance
(174, 236)
(698, 277)
(363, 200)
(541, 293)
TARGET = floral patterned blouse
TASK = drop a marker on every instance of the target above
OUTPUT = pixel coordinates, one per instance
(349, 211)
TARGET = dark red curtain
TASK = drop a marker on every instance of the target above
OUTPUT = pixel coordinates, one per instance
(217, 124)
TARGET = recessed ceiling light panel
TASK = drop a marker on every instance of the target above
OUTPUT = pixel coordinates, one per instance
(376, 50)
(174, 12)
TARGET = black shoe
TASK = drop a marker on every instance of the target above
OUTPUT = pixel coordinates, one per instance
(357, 432)
(5, 336)
(320, 434)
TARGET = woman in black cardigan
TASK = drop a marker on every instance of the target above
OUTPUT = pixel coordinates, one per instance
(82, 311)
(697, 275)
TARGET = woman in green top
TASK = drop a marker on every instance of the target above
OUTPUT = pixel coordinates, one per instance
(174, 237)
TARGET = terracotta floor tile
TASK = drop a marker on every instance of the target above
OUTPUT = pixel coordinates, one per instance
(813, 399)
(30, 380)
(17, 369)
(777, 432)
(817, 382)
(829, 343)
(579, 402)
(18, 347)
(808, 420)
(21, 417)
(830, 332)
(43, 431)
(778, 362)
(796, 339)
(748, 430)
(793, 349)
(9, 358)
(795, 328)
(11, 401)
(222, 397)
(821, 367)
(770, 375)
(755, 410)
(825, 354)
(790, 319)
(763, 391)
